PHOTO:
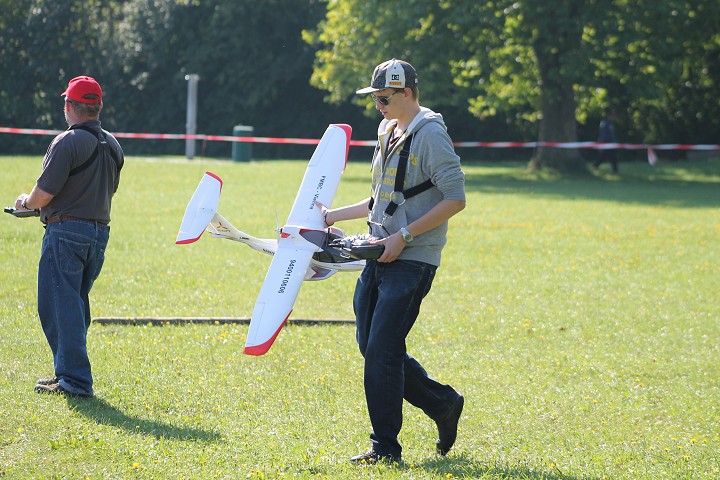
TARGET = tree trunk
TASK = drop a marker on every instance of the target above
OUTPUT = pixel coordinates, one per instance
(558, 124)
(556, 43)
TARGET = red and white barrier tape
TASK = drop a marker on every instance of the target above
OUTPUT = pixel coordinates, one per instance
(175, 136)
(371, 143)
(593, 145)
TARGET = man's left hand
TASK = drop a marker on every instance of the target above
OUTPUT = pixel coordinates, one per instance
(19, 201)
(394, 245)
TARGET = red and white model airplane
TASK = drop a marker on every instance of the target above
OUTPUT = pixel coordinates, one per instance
(302, 250)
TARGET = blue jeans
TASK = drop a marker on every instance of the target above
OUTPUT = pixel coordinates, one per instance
(387, 302)
(73, 252)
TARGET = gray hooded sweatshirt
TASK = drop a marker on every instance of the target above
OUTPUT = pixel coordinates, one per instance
(431, 157)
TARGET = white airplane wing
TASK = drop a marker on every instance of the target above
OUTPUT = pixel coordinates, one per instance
(278, 293)
(322, 178)
(201, 209)
(294, 252)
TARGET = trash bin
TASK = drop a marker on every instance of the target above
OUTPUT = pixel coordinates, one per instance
(242, 151)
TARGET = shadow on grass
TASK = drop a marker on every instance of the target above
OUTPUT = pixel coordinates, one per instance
(678, 184)
(103, 413)
(668, 187)
(464, 466)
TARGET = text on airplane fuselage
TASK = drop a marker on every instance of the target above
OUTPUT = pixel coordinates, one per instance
(286, 278)
(317, 192)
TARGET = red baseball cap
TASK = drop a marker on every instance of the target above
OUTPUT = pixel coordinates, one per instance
(84, 90)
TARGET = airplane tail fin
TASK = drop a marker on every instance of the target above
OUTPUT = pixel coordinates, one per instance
(201, 215)
(219, 227)
(201, 209)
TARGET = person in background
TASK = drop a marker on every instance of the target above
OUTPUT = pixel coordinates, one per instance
(80, 175)
(606, 134)
(415, 151)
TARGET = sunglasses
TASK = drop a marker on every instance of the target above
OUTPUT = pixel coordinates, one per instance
(383, 100)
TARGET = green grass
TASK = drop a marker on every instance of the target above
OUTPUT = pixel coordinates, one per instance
(578, 317)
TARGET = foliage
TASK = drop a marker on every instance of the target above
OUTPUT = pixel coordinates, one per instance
(543, 64)
(253, 67)
(498, 70)
(585, 343)
(681, 66)
(44, 44)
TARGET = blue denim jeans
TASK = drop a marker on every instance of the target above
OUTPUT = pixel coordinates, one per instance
(387, 302)
(73, 252)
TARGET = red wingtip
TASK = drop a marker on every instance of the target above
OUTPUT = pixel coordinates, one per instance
(216, 178)
(348, 136)
(261, 349)
(189, 240)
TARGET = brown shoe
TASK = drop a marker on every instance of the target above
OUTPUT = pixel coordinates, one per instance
(447, 427)
(48, 381)
(57, 389)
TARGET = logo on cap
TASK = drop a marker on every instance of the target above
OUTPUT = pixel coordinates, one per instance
(391, 74)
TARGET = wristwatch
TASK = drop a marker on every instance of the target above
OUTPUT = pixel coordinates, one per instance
(24, 204)
(407, 236)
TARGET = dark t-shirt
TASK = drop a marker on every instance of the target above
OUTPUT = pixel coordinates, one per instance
(88, 193)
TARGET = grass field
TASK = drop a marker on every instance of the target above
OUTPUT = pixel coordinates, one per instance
(578, 317)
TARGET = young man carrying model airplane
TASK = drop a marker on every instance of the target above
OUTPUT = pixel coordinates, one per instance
(417, 186)
(408, 228)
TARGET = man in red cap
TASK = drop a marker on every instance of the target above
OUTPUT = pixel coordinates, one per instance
(81, 173)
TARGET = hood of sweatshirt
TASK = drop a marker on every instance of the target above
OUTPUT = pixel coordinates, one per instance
(424, 116)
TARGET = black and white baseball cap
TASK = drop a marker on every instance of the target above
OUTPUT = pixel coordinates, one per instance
(391, 74)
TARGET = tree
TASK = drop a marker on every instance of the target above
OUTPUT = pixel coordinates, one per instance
(505, 57)
(661, 64)
(254, 70)
(44, 44)
(498, 69)
(550, 33)
(541, 64)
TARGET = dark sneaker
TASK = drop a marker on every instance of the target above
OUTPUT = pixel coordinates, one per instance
(372, 457)
(57, 389)
(48, 380)
(447, 427)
